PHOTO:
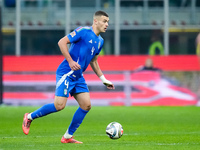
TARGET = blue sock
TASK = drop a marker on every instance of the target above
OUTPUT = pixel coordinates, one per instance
(78, 117)
(44, 110)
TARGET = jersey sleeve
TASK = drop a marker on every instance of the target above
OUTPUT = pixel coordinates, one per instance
(76, 35)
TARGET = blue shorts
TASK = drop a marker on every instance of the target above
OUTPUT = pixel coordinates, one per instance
(66, 85)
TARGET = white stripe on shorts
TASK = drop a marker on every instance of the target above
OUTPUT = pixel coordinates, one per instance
(63, 78)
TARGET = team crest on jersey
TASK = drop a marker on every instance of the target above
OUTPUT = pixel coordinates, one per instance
(65, 91)
(99, 44)
(73, 34)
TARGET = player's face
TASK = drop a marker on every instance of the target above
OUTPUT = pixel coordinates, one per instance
(102, 23)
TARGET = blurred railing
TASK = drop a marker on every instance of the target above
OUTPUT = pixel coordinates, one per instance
(52, 15)
(130, 18)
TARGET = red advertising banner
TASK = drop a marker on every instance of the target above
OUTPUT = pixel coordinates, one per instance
(107, 63)
(30, 80)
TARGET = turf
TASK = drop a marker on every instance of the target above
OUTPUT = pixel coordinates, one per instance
(145, 128)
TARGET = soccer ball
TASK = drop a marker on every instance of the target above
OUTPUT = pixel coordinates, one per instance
(114, 130)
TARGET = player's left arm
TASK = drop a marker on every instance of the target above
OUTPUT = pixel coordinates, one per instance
(95, 67)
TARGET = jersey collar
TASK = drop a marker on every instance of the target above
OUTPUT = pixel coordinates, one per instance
(93, 31)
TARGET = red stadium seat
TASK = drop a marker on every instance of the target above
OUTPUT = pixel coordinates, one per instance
(126, 22)
(183, 23)
(154, 22)
(58, 23)
(173, 22)
(10, 23)
(30, 23)
(88, 23)
(40, 23)
(135, 23)
(78, 23)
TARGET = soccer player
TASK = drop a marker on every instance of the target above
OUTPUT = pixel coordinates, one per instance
(86, 44)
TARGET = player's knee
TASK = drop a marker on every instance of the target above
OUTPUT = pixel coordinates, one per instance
(59, 106)
(60, 103)
(88, 107)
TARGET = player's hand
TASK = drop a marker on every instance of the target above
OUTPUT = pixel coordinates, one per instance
(74, 65)
(109, 86)
(107, 83)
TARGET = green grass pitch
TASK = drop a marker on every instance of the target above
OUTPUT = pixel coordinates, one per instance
(145, 128)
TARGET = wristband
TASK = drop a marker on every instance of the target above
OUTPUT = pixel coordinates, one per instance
(103, 79)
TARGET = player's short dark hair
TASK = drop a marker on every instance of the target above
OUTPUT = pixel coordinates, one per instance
(101, 13)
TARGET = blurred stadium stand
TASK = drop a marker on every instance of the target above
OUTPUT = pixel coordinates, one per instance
(45, 17)
(50, 12)
(138, 20)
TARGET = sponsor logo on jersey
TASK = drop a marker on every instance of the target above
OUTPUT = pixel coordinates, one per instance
(73, 34)
(90, 41)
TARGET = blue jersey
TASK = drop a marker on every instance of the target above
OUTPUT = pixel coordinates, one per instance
(85, 44)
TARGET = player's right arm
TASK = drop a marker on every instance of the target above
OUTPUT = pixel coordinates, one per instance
(65, 51)
(95, 67)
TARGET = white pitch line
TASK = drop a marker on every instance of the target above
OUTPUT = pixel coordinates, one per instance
(125, 134)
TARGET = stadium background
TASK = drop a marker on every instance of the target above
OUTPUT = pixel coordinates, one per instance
(32, 28)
